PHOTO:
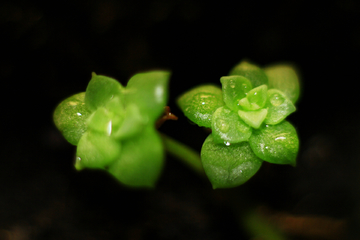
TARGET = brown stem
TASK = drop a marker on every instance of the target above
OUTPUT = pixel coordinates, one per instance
(166, 116)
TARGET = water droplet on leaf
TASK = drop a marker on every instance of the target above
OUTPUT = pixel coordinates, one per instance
(276, 99)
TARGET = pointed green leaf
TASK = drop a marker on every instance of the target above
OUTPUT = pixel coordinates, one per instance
(199, 103)
(228, 166)
(100, 121)
(70, 117)
(279, 107)
(253, 118)
(149, 91)
(284, 78)
(116, 106)
(252, 72)
(116, 111)
(234, 88)
(276, 143)
(255, 99)
(141, 160)
(245, 104)
(96, 150)
(132, 125)
(100, 90)
(228, 127)
(107, 120)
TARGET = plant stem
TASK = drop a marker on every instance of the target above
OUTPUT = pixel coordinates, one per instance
(187, 155)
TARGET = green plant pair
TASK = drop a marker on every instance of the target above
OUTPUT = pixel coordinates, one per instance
(114, 126)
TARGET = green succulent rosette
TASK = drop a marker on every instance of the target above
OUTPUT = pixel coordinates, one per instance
(247, 118)
(113, 126)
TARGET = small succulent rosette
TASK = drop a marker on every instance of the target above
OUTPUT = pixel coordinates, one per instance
(247, 119)
(113, 126)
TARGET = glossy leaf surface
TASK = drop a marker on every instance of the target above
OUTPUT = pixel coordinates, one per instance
(100, 90)
(252, 72)
(70, 117)
(149, 91)
(276, 143)
(279, 107)
(234, 89)
(228, 166)
(199, 104)
(284, 78)
(141, 160)
(228, 127)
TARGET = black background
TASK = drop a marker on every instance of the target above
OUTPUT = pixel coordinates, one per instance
(48, 52)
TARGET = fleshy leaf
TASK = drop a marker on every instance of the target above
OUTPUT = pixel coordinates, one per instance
(234, 88)
(100, 121)
(255, 99)
(149, 91)
(276, 143)
(228, 166)
(133, 123)
(141, 160)
(252, 72)
(253, 118)
(279, 107)
(284, 78)
(199, 104)
(228, 127)
(116, 111)
(96, 150)
(70, 117)
(100, 90)
(115, 106)
(108, 119)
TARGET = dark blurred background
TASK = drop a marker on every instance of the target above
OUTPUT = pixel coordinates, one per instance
(48, 51)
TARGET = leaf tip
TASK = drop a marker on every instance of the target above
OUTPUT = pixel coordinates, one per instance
(78, 165)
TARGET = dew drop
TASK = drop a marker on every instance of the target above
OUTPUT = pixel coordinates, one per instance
(276, 99)
(227, 143)
(232, 84)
